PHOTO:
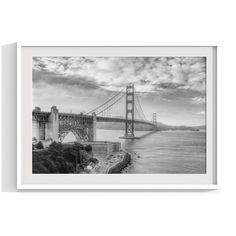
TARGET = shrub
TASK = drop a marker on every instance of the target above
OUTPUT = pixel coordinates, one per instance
(55, 147)
(61, 165)
(39, 145)
(77, 146)
(39, 168)
(68, 155)
(88, 148)
(50, 165)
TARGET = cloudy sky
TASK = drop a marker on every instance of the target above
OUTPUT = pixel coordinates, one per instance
(172, 87)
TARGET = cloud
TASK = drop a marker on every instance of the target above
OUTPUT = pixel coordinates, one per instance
(199, 100)
(51, 78)
(201, 113)
(149, 74)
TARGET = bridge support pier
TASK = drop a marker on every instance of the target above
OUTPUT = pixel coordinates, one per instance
(52, 130)
(92, 127)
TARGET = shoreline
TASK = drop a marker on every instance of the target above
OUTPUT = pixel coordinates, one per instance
(113, 163)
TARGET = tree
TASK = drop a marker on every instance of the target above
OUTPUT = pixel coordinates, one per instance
(39, 145)
(55, 147)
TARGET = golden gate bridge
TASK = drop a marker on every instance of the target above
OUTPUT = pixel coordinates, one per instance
(55, 125)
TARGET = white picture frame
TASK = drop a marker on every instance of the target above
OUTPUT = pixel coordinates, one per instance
(64, 180)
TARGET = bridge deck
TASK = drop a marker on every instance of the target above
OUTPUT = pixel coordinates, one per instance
(98, 118)
(117, 119)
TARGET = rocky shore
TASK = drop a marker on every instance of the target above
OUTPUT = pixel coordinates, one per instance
(111, 164)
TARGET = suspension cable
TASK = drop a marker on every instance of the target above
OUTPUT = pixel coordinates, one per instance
(105, 102)
(111, 104)
(140, 106)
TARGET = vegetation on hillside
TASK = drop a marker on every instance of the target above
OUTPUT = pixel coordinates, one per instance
(58, 158)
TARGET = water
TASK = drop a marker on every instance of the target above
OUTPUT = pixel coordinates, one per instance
(169, 152)
(163, 152)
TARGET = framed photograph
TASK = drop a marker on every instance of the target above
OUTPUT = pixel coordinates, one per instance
(116, 116)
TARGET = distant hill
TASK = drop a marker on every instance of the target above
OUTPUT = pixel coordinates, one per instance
(143, 127)
(200, 127)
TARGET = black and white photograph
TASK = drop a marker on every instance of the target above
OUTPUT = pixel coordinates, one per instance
(117, 118)
(119, 115)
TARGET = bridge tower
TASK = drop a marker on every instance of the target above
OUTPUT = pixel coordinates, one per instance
(154, 118)
(129, 114)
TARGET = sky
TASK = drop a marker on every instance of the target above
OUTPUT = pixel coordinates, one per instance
(172, 87)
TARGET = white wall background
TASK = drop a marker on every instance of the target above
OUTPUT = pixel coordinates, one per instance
(130, 213)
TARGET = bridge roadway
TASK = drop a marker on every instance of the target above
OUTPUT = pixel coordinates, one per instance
(107, 119)
(98, 118)
(117, 119)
